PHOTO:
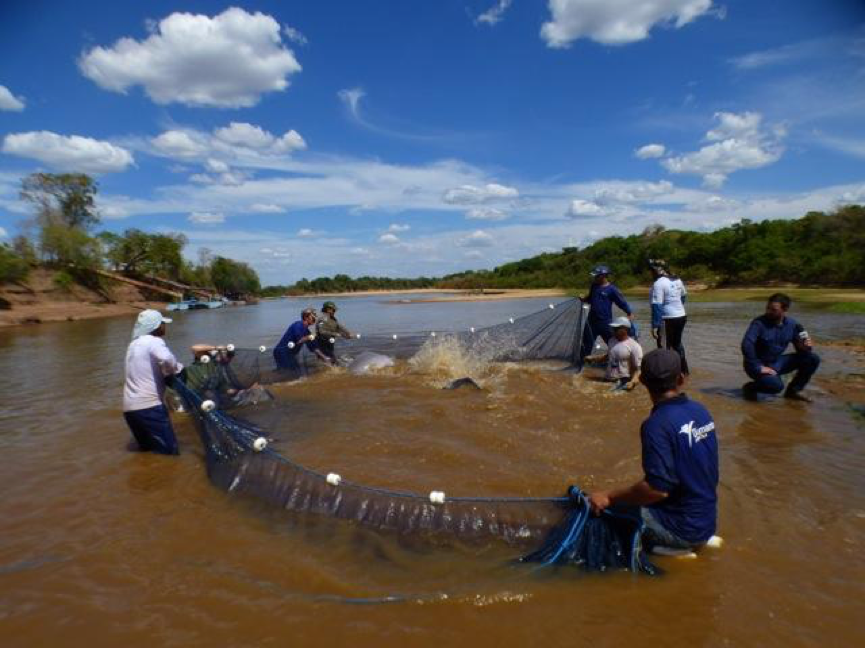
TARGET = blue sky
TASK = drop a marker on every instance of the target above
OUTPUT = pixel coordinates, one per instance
(400, 138)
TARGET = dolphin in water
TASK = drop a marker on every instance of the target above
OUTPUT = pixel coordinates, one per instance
(462, 382)
(369, 361)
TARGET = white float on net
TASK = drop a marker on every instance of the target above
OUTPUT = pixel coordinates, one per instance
(333, 479)
(290, 345)
(208, 406)
(472, 329)
(437, 497)
(332, 340)
(511, 320)
(204, 359)
(229, 348)
(262, 348)
(394, 336)
(259, 444)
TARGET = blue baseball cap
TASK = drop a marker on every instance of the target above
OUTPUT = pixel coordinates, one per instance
(600, 270)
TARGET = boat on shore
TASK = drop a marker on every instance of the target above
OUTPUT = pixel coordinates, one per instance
(194, 304)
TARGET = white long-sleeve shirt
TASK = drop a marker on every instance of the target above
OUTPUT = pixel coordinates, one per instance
(667, 297)
(148, 361)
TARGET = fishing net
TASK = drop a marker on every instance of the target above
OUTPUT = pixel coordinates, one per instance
(223, 390)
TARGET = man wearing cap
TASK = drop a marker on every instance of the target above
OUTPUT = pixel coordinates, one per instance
(329, 328)
(763, 349)
(677, 495)
(668, 309)
(148, 363)
(602, 295)
(623, 357)
(287, 351)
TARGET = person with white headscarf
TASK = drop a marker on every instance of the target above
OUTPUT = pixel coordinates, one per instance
(148, 363)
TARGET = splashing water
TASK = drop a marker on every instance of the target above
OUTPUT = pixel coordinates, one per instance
(447, 358)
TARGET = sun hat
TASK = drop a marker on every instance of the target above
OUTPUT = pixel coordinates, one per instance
(600, 270)
(620, 322)
(328, 304)
(147, 322)
(308, 311)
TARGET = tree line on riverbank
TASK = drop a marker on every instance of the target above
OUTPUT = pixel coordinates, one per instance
(821, 249)
(61, 235)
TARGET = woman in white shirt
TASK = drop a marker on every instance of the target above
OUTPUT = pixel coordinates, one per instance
(668, 309)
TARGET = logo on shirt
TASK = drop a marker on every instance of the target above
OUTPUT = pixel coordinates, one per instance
(695, 435)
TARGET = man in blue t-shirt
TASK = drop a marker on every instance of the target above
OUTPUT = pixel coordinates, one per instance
(763, 352)
(677, 494)
(296, 336)
(602, 295)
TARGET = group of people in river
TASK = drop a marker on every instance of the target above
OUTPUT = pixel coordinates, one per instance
(676, 498)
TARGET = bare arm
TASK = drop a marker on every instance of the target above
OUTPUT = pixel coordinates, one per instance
(638, 494)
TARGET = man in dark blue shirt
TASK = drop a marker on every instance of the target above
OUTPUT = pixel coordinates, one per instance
(678, 493)
(763, 352)
(298, 335)
(602, 295)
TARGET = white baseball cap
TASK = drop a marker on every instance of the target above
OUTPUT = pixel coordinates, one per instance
(147, 322)
(619, 322)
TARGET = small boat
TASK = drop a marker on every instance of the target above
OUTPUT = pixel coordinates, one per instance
(187, 304)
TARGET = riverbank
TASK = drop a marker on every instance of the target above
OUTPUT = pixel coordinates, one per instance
(45, 299)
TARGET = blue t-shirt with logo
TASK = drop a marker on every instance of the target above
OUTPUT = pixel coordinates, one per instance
(680, 458)
(765, 342)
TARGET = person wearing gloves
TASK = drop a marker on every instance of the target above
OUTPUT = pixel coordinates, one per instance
(602, 295)
(149, 363)
(329, 328)
(668, 310)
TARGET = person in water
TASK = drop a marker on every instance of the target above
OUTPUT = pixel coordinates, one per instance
(602, 295)
(329, 328)
(668, 309)
(624, 356)
(297, 336)
(149, 363)
(763, 354)
(677, 495)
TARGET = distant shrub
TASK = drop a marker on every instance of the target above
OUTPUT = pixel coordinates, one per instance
(64, 281)
(13, 268)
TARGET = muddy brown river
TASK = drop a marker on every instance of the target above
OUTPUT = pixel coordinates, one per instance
(100, 546)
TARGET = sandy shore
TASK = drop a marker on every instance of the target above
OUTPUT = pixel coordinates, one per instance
(451, 294)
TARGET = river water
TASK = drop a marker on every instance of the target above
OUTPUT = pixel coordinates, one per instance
(100, 546)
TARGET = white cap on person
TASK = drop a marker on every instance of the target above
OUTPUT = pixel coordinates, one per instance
(148, 321)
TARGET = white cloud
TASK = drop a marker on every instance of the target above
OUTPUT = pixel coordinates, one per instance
(471, 195)
(3, 233)
(180, 144)
(305, 232)
(494, 14)
(206, 218)
(294, 35)
(398, 227)
(237, 140)
(68, 153)
(617, 193)
(739, 142)
(389, 239)
(227, 61)
(266, 208)
(351, 98)
(474, 254)
(486, 213)
(476, 239)
(650, 151)
(10, 102)
(616, 22)
(585, 209)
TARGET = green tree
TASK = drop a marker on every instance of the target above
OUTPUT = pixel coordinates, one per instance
(64, 198)
(13, 268)
(234, 278)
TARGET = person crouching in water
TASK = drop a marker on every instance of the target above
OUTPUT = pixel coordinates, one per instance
(602, 295)
(763, 349)
(328, 329)
(148, 364)
(287, 351)
(624, 356)
(668, 309)
(677, 495)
